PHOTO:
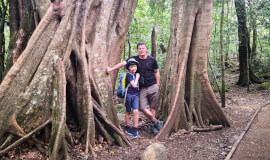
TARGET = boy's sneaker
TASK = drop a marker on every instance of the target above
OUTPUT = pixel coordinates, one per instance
(153, 129)
(129, 130)
(135, 133)
(159, 125)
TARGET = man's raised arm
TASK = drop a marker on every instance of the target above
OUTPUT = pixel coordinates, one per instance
(117, 66)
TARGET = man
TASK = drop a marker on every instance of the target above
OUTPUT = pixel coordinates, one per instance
(149, 84)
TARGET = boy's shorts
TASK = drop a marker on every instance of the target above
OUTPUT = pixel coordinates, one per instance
(149, 96)
(132, 101)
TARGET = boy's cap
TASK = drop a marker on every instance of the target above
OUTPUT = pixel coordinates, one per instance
(130, 62)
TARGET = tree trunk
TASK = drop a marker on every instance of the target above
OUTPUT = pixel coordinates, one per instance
(153, 43)
(63, 68)
(186, 96)
(222, 56)
(227, 37)
(246, 73)
(21, 27)
(254, 31)
(2, 38)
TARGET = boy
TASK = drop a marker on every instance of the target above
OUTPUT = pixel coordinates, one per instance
(132, 96)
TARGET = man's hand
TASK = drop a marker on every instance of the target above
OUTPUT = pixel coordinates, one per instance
(108, 70)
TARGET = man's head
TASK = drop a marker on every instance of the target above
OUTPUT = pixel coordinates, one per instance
(142, 49)
(132, 65)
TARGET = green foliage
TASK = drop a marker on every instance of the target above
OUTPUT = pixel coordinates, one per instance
(264, 75)
(149, 14)
(215, 88)
(120, 107)
(264, 86)
(7, 39)
(260, 10)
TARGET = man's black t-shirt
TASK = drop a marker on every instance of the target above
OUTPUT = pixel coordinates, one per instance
(146, 70)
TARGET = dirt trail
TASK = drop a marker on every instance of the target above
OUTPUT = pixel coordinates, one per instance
(256, 142)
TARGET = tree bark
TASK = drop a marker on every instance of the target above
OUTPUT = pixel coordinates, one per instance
(63, 68)
(246, 74)
(153, 42)
(185, 88)
(222, 56)
(2, 38)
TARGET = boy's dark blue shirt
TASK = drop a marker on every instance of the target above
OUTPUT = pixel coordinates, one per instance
(131, 90)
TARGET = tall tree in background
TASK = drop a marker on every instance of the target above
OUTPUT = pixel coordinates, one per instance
(153, 43)
(186, 95)
(246, 74)
(22, 24)
(3, 12)
(62, 70)
(222, 56)
(254, 30)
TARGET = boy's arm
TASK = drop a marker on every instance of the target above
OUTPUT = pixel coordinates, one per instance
(135, 83)
(117, 66)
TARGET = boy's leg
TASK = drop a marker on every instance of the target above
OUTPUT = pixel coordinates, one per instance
(127, 118)
(128, 110)
(136, 118)
(135, 106)
(128, 128)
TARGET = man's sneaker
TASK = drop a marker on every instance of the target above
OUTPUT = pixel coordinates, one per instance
(159, 125)
(135, 133)
(129, 130)
(153, 129)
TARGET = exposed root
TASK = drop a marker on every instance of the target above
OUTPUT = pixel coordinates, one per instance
(7, 141)
(15, 128)
(90, 119)
(103, 131)
(200, 114)
(71, 39)
(16, 67)
(39, 146)
(62, 105)
(102, 115)
(207, 129)
(189, 117)
(69, 136)
(92, 151)
(194, 113)
(65, 150)
(24, 138)
(81, 134)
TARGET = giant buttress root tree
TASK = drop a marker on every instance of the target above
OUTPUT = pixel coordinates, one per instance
(62, 70)
(186, 96)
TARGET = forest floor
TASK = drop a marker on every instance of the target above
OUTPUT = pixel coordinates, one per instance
(240, 107)
(214, 145)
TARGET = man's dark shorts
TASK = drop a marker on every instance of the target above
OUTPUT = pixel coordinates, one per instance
(132, 101)
(149, 96)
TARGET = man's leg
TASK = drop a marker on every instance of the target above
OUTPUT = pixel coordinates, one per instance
(153, 102)
(153, 111)
(143, 104)
(148, 114)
